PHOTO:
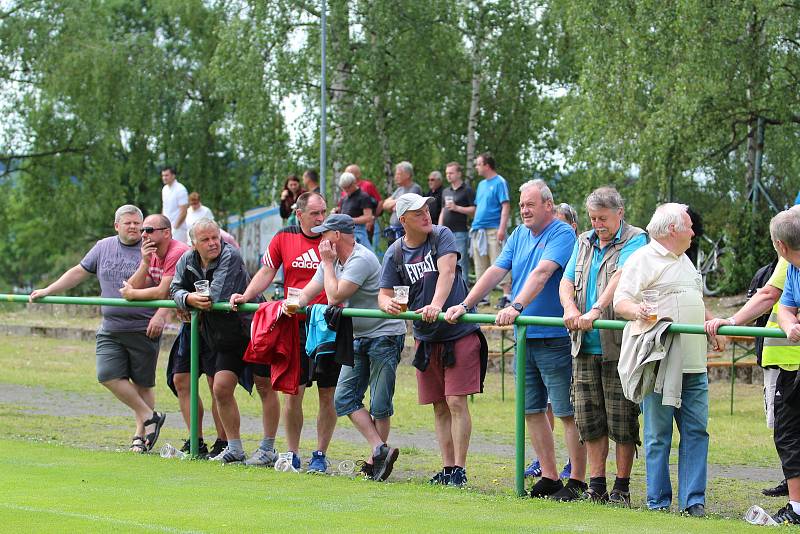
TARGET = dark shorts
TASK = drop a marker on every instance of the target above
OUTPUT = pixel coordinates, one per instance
(787, 423)
(211, 361)
(182, 360)
(126, 355)
(601, 408)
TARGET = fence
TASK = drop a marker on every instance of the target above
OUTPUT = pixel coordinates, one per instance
(520, 330)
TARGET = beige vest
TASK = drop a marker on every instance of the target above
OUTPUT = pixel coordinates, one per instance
(610, 340)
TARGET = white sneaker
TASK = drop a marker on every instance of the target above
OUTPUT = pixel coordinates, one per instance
(262, 458)
(227, 456)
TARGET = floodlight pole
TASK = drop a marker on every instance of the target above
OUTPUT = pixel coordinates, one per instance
(323, 164)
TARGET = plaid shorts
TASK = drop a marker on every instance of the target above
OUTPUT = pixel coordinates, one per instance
(601, 408)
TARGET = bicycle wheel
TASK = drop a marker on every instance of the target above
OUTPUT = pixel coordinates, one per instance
(713, 276)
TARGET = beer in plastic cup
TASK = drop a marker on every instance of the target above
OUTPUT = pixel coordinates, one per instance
(401, 297)
(202, 287)
(292, 299)
(650, 301)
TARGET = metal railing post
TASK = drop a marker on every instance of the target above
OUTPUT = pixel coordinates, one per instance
(194, 401)
(519, 434)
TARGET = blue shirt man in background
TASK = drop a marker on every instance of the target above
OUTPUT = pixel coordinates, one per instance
(536, 255)
(492, 210)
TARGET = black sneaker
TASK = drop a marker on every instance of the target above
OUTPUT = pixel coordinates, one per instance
(786, 515)
(383, 462)
(218, 446)
(367, 470)
(458, 477)
(202, 448)
(572, 491)
(781, 490)
(440, 478)
(546, 487)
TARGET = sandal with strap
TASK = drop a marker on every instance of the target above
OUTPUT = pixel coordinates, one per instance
(151, 437)
(137, 445)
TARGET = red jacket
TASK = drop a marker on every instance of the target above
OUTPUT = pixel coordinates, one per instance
(275, 341)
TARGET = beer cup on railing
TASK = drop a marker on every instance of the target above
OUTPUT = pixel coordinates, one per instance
(401, 297)
(292, 300)
(203, 288)
(650, 301)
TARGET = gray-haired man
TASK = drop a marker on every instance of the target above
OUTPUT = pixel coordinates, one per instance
(587, 294)
(127, 341)
(404, 178)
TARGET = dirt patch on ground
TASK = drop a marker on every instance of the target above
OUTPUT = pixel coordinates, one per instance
(41, 401)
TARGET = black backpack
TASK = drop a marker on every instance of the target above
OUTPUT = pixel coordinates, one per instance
(760, 279)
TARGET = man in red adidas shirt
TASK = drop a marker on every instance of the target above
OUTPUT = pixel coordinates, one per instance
(296, 248)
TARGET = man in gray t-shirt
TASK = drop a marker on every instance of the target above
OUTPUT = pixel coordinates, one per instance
(349, 274)
(128, 338)
(404, 178)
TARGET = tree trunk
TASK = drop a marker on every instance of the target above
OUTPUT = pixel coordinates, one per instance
(340, 101)
(475, 97)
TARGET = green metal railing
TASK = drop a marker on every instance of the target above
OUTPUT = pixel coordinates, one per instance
(520, 329)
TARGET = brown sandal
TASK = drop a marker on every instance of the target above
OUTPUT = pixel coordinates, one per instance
(137, 445)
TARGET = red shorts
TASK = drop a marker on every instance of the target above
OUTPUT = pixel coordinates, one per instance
(464, 378)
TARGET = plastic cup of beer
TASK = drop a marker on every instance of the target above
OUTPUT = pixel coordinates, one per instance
(202, 287)
(401, 297)
(448, 201)
(292, 299)
(650, 301)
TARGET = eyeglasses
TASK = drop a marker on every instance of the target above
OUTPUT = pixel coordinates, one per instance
(150, 229)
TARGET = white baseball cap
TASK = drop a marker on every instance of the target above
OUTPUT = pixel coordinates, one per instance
(410, 201)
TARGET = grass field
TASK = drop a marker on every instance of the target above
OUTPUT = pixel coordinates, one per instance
(61, 470)
(51, 488)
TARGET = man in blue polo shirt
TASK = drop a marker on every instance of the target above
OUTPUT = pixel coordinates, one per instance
(536, 255)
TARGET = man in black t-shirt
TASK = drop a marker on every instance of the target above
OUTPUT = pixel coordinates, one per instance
(448, 356)
(458, 204)
(435, 192)
(358, 205)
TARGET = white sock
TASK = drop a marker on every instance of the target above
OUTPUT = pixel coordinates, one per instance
(795, 506)
(235, 445)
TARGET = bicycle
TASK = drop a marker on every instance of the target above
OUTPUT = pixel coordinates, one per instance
(709, 253)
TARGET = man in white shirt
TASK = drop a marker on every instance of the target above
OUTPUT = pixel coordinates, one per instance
(197, 210)
(662, 265)
(175, 203)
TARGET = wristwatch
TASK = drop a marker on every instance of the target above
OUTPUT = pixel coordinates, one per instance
(518, 307)
(466, 308)
(597, 307)
(731, 320)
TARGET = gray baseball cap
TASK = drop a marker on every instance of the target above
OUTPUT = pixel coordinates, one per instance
(410, 201)
(336, 221)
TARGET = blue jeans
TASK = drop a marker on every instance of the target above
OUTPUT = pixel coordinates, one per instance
(548, 373)
(375, 366)
(360, 233)
(692, 421)
(462, 244)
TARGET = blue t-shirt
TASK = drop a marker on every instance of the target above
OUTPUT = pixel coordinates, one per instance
(591, 339)
(489, 200)
(522, 253)
(791, 289)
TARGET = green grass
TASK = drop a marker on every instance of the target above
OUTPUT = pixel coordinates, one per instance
(66, 367)
(54, 488)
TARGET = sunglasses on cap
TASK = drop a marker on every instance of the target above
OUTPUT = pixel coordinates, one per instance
(150, 229)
